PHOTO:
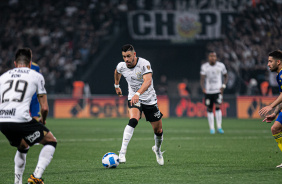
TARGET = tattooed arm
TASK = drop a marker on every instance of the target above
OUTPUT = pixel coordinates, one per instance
(278, 109)
(272, 114)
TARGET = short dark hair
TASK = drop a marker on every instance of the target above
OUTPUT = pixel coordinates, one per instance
(127, 47)
(23, 55)
(277, 54)
(211, 51)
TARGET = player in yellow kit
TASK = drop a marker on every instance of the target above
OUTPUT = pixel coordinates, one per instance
(275, 65)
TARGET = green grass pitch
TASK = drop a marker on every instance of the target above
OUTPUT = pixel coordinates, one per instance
(246, 153)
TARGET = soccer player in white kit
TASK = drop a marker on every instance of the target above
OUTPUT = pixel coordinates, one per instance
(141, 98)
(213, 87)
(17, 86)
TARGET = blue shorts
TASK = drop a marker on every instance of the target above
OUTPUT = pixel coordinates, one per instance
(279, 118)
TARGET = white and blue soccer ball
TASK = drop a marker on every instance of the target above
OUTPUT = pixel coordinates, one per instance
(110, 160)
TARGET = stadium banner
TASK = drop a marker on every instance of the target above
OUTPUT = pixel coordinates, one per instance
(178, 26)
(99, 107)
(248, 106)
(195, 107)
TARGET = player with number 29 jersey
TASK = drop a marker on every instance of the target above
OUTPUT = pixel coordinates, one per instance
(19, 85)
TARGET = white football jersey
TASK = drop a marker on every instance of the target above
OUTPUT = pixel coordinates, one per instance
(213, 75)
(17, 86)
(134, 78)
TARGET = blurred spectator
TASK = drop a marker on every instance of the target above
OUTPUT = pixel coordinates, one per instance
(252, 35)
(183, 89)
(265, 89)
(62, 34)
(273, 83)
(72, 32)
(253, 88)
(162, 86)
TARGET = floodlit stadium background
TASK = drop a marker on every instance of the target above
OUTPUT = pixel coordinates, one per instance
(77, 44)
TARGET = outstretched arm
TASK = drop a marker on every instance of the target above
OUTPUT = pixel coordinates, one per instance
(278, 109)
(272, 115)
(277, 101)
(268, 108)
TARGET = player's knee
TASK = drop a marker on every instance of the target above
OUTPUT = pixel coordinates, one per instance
(50, 137)
(54, 144)
(159, 132)
(275, 130)
(23, 149)
(133, 122)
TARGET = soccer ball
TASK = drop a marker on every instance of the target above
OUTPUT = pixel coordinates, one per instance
(110, 160)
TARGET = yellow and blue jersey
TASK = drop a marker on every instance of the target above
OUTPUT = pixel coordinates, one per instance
(34, 105)
(35, 67)
(279, 80)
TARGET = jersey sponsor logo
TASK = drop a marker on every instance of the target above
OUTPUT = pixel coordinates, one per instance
(137, 79)
(134, 88)
(145, 101)
(33, 137)
(8, 112)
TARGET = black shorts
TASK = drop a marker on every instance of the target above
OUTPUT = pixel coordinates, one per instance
(151, 112)
(32, 132)
(211, 99)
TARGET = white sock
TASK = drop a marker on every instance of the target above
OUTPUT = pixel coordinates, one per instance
(20, 160)
(158, 142)
(218, 116)
(127, 134)
(211, 120)
(44, 160)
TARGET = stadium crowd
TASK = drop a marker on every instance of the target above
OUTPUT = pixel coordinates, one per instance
(66, 36)
(63, 35)
(248, 40)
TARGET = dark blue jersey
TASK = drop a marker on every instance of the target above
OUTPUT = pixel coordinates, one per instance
(34, 105)
(279, 80)
(35, 67)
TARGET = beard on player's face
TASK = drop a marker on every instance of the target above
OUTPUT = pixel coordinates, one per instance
(274, 68)
(129, 63)
(212, 62)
